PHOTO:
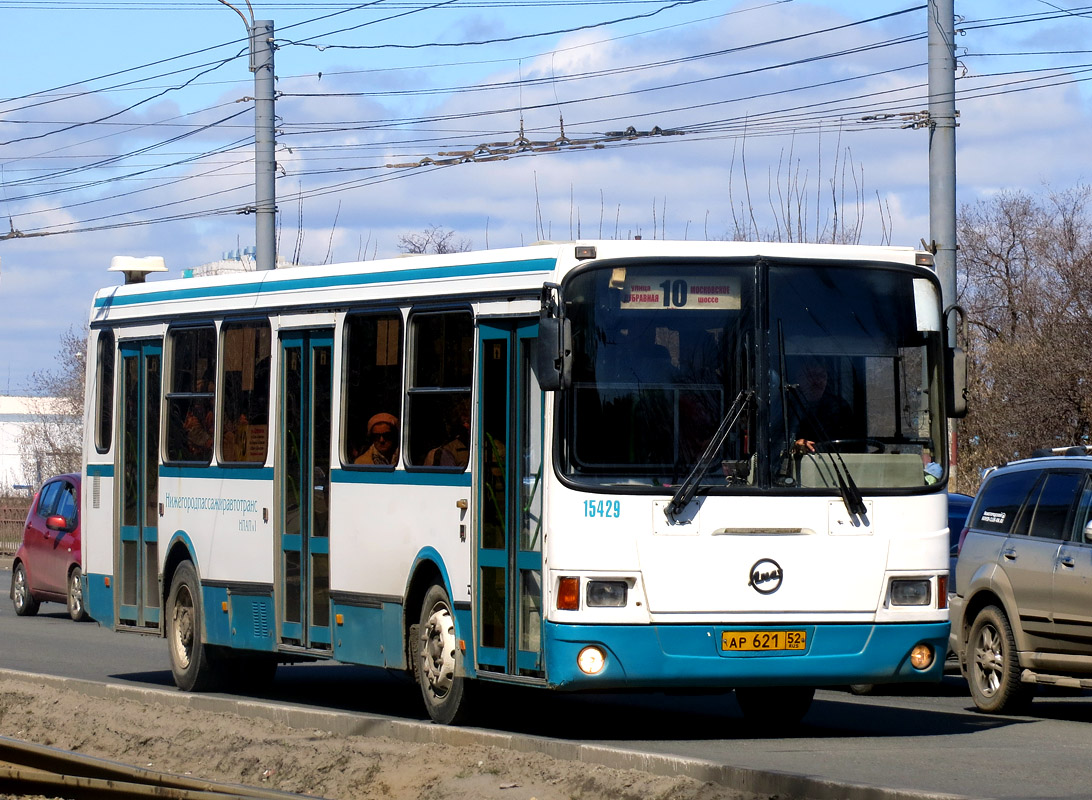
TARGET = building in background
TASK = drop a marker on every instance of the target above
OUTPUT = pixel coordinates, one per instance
(20, 417)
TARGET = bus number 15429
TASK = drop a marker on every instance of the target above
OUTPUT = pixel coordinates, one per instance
(611, 509)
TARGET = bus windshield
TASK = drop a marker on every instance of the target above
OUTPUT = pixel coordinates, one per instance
(837, 368)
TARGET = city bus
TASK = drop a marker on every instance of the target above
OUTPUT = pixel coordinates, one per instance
(581, 466)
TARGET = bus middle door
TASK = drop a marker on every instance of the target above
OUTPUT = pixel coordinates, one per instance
(303, 474)
(136, 552)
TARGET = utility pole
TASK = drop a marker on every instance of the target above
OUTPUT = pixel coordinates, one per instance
(942, 152)
(265, 163)
(942, 171)
(260, 35)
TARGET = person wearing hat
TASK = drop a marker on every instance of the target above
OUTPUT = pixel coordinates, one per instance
(383, 434)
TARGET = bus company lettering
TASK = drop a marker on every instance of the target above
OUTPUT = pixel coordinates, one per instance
(220, 505)
(765, 576)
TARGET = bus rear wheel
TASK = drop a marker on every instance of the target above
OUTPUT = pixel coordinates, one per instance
(439, 660)
(191, 661)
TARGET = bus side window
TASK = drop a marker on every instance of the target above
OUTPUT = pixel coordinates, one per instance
(244, 392)
(373, 388)
(438, 408)
(190, 393)
(104, 386)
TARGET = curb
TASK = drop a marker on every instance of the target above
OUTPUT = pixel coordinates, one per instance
(759, 782)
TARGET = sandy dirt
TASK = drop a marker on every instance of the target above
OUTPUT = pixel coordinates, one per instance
(229, 748)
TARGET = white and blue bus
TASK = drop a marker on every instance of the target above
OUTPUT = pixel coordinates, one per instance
(588, 466)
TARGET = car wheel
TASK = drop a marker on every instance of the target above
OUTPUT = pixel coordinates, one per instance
(25, 605)
(439, 662)
(76, 608)
(774, 709)
(192, 663)
(993, 671)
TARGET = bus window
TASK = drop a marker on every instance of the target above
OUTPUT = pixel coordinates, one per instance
(439, 393)
(190, 391)
(244, 392)
(373, 389)
(104, 379)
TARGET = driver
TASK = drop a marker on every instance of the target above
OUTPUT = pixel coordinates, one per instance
(825, 415)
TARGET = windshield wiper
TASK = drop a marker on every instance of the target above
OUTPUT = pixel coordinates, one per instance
(847, 488)
(689, 487)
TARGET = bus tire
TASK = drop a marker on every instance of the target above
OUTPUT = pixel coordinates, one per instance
(773, 709)
(192, 663)
(993, 671)
(439, 660)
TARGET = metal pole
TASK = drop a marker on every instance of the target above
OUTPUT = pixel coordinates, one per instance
(942, 152)
(265, 163)
(942, 170)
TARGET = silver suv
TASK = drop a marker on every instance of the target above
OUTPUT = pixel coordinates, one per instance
(1022, 612)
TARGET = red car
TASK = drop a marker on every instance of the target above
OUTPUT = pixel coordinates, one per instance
(47, 564)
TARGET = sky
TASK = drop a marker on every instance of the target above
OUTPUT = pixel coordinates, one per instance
(126, 128)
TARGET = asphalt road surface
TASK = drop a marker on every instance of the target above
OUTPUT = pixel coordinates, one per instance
(927, 739)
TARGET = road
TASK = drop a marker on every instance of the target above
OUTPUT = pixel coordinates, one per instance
(928, 739)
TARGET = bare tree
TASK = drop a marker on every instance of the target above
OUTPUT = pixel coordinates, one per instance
(433, 239)
(1026, 284)
(52, 443)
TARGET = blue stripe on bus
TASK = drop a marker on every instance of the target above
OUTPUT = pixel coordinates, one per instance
(261, 473)
(254, 473)
(330, 281)
(665, 656)
(400, 477)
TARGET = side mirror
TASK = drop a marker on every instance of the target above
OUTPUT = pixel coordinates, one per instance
(57, 523)
(554, 354)
(1088, 533)
(955, 379)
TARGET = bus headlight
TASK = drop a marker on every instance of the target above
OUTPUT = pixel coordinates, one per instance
(611, 594)
(913, 592)
(591, 660)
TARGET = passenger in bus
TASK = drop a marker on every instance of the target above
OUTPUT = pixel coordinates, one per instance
(820, 414)
(197, 425)
(933, 470)
(383, 435)
(455, 453)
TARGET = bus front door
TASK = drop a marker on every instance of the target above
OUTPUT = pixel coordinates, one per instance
(508, 481)
(136, 544)
(303, 473)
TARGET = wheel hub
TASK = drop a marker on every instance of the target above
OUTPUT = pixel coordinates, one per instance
(438, 652)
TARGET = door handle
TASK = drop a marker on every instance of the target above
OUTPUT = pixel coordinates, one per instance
(1067, 561)
(1009, 554)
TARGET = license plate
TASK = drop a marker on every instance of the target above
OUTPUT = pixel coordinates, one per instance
(736, 641)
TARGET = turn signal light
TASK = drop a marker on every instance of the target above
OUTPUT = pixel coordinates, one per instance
(568, 594)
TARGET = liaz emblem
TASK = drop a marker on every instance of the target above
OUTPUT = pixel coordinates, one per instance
(765, 576)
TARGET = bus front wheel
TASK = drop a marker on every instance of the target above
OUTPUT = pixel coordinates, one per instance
(191, 662)
(439, 660)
